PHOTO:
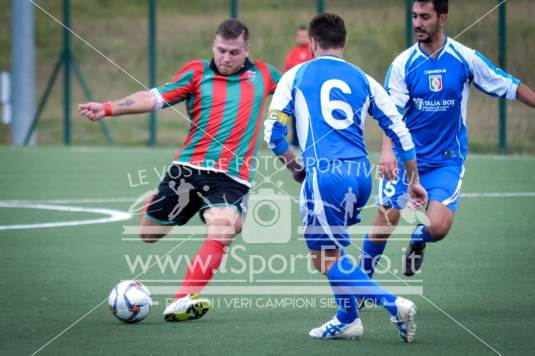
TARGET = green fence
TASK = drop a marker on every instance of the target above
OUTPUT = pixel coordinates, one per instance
(152, 39)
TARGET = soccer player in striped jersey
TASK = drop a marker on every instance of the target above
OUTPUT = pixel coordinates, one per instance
(213, 172)
(429, 82)
(330, 99)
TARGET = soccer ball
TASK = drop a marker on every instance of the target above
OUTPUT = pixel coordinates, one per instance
(130, 301)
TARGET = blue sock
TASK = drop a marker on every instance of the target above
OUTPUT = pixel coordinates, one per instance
(368, 257)
(421, 236)
(349, 281)
(347, 305)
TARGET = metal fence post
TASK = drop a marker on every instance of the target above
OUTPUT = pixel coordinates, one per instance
(152, 68)
(408, 23)
(67, 72)
(234, 9)
(320, 6)
(23, 72)
(502, 106)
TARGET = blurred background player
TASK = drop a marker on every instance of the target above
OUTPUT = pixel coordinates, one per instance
(297, 55)
(224, 97)
(301, 52)
(429, 82)
(330, 98)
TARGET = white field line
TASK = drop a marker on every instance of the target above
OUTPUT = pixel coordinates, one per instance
(112, 215)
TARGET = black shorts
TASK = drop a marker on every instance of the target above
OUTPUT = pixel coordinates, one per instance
(185, 191)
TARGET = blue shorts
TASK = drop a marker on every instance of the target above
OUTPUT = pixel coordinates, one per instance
(331, 199)
(443, 184)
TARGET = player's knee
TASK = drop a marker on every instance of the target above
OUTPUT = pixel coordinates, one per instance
(385, 223)
(223, 224)
(387, 216)
(438, 231)
(393, 217)
(237, 227)
(223, 231)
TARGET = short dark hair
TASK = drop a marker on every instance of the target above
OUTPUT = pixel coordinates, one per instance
(302, 28)
(328, 30)
(231, 29)
(441, 6)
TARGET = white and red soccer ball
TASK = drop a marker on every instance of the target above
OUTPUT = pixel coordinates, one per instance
(130, 301)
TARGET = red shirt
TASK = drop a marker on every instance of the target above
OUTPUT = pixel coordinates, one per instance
(297, 55)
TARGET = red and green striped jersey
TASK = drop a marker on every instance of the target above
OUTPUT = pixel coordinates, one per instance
(225, 114)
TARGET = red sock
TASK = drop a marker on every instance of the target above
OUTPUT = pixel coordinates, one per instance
(202, 268)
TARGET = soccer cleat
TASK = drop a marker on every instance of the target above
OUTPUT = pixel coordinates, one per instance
(334, 329)
(404, 319)
(414, 256)
(189, 307)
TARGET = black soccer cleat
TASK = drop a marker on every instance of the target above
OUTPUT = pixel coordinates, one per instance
(414, 256)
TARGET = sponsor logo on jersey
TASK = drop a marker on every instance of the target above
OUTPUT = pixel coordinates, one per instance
(435, 82)
(433, 105)
(250, 75)
(419, 103)
(435, 71)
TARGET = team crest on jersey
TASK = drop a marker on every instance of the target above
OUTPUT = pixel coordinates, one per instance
(250, 76)
(435, 82)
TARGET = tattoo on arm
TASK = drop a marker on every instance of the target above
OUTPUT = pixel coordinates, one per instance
(126, 103)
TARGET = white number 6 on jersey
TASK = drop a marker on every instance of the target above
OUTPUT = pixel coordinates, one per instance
(328, 106)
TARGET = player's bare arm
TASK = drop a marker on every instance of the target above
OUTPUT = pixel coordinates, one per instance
(417, 193)
(137, 103)
(298, 171)
(388, 163)
(526, 95)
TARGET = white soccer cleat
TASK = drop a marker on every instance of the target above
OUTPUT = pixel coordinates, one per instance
(404, 319)
(334, 329)
(189, 307)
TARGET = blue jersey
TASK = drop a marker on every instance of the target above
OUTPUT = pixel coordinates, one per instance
(330, 99)
(432, 94)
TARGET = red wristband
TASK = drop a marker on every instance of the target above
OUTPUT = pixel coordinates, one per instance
(107, 109)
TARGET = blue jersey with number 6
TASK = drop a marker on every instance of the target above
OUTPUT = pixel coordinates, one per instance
(330, 99)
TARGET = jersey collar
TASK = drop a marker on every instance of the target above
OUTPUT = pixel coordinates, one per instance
(440, 51)
(331, 56)
(246, 66)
